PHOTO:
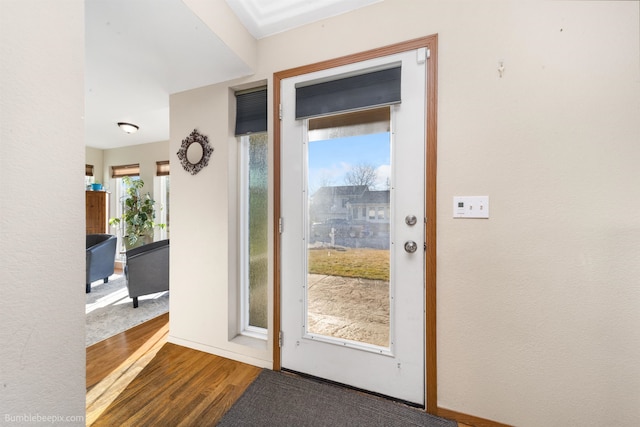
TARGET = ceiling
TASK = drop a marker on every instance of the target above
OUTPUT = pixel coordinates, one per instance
(264, 18)
(138, 52)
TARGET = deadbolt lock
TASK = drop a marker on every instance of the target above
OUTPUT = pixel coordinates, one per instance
(411, 220)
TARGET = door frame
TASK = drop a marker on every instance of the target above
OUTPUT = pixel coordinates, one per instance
(431, 44)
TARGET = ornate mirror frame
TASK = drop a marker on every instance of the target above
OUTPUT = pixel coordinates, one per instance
(195, 138)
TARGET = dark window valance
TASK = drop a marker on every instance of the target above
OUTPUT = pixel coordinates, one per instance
(375, 88)
(251, 112)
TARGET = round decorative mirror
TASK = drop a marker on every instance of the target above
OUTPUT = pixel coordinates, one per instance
(194, 152)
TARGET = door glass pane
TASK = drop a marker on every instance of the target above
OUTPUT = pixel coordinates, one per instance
(349, 167)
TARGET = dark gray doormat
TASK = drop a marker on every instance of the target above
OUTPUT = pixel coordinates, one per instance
(280, 399)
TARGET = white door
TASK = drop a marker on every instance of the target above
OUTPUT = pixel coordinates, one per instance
(352, 204)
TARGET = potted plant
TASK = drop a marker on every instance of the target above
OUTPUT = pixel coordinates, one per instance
(138, 215)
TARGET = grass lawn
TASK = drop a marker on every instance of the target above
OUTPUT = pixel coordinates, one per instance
(363, 263)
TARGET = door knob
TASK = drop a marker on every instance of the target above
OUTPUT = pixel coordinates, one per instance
(410, 246)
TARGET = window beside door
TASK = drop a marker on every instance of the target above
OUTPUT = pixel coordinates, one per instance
(254, 226)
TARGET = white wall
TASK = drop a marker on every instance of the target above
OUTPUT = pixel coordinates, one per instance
(538, 319)
(42, 349)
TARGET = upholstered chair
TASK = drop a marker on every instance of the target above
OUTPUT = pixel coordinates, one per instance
(101, 257)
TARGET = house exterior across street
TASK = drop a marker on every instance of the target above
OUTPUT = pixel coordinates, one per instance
(350, 215)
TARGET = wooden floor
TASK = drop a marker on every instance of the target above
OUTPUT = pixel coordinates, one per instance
(137, 379)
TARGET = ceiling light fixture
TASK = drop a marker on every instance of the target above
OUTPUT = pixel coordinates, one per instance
(128, 127)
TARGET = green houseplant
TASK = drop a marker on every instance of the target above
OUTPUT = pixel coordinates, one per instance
(138, 215)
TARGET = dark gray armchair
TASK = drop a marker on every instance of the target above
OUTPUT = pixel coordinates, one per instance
(147, 269)
(101, 257)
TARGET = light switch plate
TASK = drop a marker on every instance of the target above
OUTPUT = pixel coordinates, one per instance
(471, 206)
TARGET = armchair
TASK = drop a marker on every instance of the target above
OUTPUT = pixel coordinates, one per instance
(101, 256)
(147, 269)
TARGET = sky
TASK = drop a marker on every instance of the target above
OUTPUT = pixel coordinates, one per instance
(330, 160)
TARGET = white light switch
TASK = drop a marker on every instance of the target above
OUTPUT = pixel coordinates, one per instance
(471, 206)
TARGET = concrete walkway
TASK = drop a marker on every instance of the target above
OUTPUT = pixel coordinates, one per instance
(349, 308)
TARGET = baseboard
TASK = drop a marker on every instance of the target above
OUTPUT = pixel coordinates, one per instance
(468, 419)
(220, 352)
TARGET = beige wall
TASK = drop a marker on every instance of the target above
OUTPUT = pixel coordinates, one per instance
(203, 268)
(42, 260)
(538, 319)
(226, 25)
(146, 155)
(538, 307)
(95, 157)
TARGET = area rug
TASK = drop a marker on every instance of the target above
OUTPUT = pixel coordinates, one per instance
(281, 399)
(110, 310)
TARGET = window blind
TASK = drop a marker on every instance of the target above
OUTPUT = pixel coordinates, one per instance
(162, 168)
(375, 88)
(125, 170)
(251, 112)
